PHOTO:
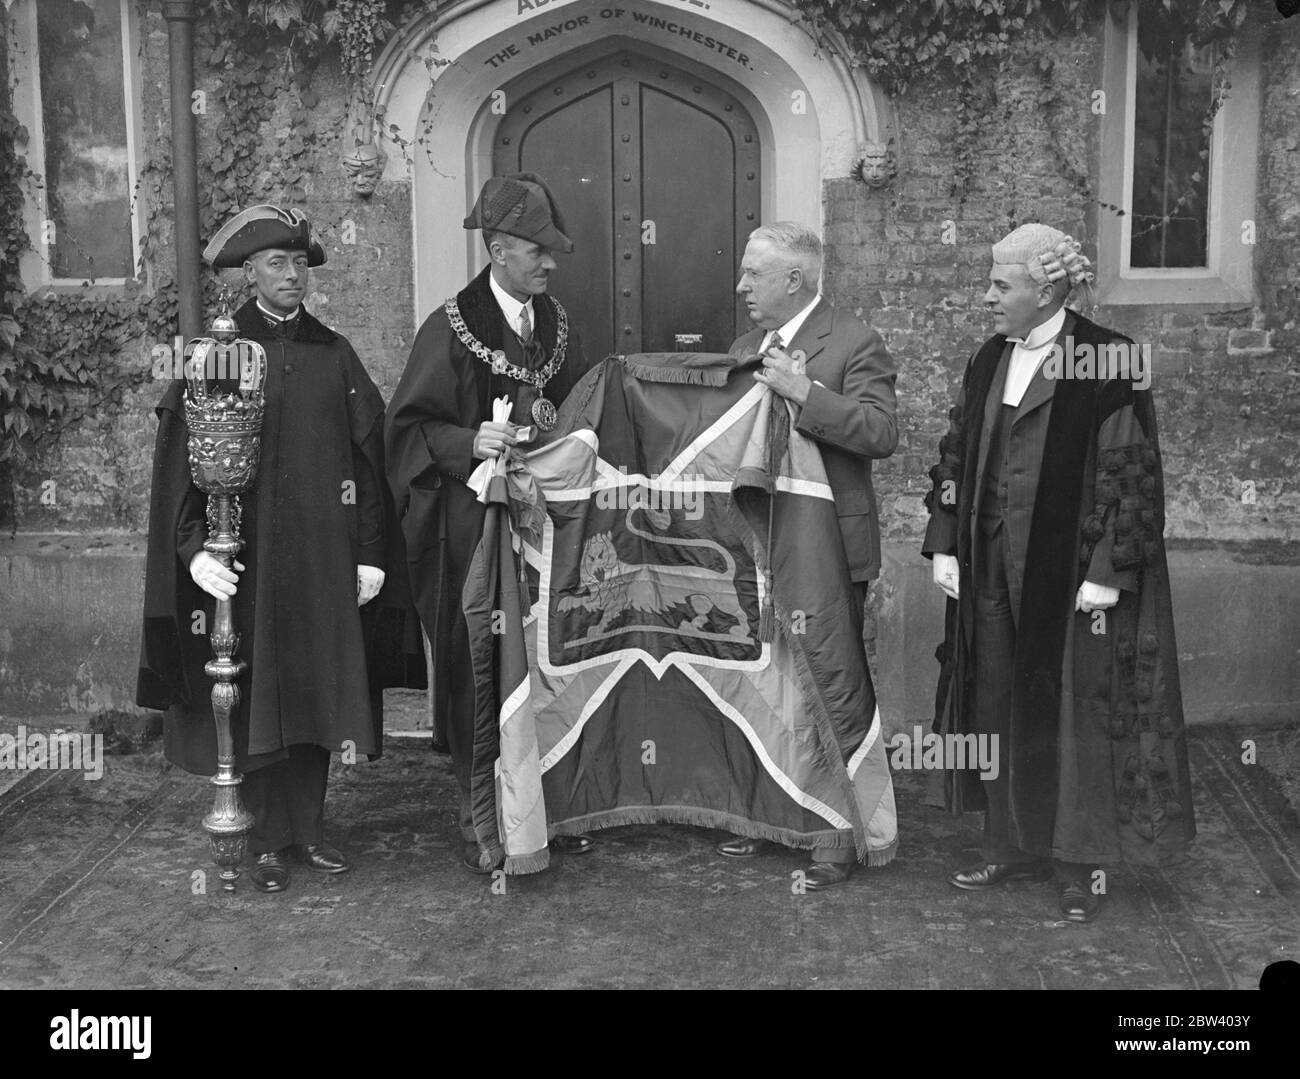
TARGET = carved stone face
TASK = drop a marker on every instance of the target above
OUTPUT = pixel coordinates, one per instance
(875, 166)
(365, 166)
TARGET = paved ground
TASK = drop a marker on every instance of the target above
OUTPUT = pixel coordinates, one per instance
(96, 890)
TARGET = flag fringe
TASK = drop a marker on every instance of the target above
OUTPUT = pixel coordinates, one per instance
(883, 856)
(536, 862)
(528, 863)
(693, 376)
(831, 839)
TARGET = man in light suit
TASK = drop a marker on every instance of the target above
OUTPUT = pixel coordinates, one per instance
(838, 374)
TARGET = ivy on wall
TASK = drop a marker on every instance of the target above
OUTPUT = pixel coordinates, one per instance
(33, 386)
(64, 355)
(43, 375)
(902, 42)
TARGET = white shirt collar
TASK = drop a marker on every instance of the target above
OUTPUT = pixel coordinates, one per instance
(1043, 334)
(792, 327)
(1028, 355)
(510, 307)
(273, 316)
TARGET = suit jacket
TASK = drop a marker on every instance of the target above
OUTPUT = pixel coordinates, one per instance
(1021, 470)
(850, 415)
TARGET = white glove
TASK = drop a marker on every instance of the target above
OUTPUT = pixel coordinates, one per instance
(947, 574)
(1095, 597)
(369, 581)
(211, 576)
(497, 435)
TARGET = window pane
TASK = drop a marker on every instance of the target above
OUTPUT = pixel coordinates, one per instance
(83, 107)
(1171, 155)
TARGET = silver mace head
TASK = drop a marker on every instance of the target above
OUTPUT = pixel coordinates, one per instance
(223, 327)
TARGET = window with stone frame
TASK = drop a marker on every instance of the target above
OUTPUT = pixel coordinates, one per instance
(1169, 192)
(77, 93)
(1185, 182)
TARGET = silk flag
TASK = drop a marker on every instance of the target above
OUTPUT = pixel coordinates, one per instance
(661, 625)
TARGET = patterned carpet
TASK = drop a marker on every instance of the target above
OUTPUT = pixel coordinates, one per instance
(97, 889)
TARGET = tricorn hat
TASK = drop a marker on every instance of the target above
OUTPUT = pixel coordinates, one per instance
(258, 228)
(520, 205)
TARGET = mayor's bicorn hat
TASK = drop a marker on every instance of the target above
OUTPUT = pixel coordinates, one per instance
(259, 228)
(520, 205)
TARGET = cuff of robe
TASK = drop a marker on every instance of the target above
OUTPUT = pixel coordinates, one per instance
(940, 535)
(457, 458)
(1108, 576)
(186, 549)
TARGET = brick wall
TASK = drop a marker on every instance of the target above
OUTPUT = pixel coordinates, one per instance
(1225, 380)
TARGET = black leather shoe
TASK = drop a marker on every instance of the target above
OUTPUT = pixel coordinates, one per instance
(739, 846)
(270, 873)
(982, 877)
(572, 844)
(320, 857)
(1078, 904)
(470, 860)
(822, 875)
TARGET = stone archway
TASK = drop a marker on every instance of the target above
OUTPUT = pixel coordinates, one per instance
(439, 86)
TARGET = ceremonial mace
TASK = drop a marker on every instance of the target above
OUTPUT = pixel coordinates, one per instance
(225, 442)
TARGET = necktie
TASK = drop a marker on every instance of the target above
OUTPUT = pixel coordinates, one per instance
(776, 341)
(525, 326)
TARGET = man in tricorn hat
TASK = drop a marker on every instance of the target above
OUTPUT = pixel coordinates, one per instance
(1046, 520)
(316, 528)
(503, 335)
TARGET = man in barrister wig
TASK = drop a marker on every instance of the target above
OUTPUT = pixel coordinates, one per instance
(1046, 523)
(502, 336)
(316, 531)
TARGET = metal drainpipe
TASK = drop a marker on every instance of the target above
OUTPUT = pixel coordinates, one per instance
(181, 16)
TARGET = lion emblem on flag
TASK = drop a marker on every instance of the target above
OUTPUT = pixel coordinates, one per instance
(613, 587)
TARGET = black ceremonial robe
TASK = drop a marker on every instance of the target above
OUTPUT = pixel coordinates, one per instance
(445, 393)
(317, 662)
(1098, 755)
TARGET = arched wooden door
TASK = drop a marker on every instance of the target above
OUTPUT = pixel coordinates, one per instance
(656, 172)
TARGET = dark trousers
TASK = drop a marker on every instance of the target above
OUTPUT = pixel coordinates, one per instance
(995, 652)
(287, 799)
